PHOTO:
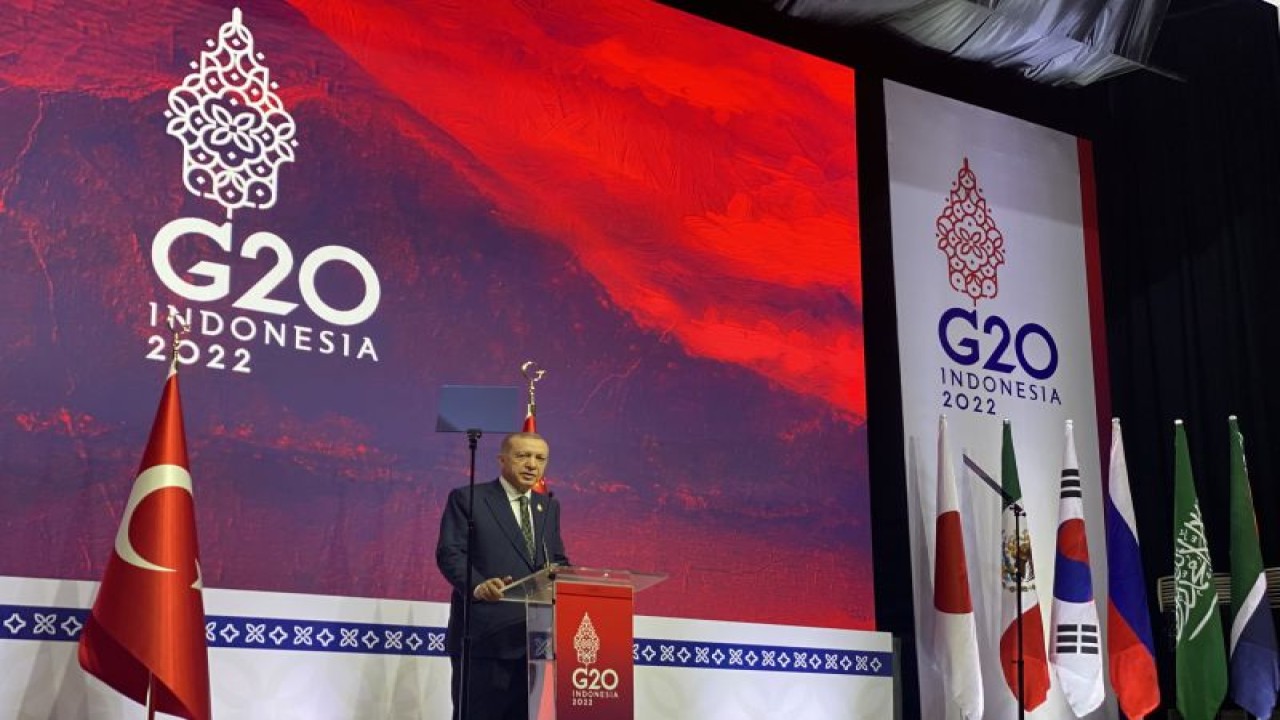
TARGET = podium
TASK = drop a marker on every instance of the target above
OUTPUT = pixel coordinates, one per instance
(580, 640)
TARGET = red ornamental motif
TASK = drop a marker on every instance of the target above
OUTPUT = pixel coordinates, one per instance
(974, 246)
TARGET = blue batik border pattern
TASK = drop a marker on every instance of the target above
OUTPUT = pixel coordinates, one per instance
(27, 622)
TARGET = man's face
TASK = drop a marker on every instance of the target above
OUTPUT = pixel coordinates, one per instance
(523, 462)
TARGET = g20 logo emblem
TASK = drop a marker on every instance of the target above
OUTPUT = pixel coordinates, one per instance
(989, 344)
(236, 134)
(257, 297)
(593, 679)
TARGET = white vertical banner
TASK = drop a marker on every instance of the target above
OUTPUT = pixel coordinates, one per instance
(993, 302)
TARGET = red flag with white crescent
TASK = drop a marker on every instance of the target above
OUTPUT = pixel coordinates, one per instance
(531, 425)
(147, 623)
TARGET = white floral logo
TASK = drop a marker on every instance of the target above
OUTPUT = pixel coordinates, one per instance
(234, 129)
(586, 642)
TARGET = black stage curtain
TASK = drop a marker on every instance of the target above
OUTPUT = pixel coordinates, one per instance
(1189, 212)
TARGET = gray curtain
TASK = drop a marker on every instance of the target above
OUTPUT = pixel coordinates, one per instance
(1059, 42)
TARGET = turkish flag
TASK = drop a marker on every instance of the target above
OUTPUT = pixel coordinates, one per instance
(147, 623)
(531, 426)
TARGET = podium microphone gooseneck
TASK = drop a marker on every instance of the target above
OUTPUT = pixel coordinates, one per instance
(547, 563)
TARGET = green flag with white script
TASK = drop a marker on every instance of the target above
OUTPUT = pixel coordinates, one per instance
(1201, 657)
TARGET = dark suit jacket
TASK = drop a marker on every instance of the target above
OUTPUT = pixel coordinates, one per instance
(497, 628)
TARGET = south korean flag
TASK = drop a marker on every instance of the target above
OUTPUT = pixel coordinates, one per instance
(1075, 645)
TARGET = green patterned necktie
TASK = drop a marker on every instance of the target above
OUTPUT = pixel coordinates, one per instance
(526, 527)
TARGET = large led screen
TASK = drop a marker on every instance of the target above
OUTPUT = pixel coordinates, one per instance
(357, 203)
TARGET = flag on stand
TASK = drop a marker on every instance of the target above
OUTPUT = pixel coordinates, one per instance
(531, 426)
(1075, 641)
(1130, 645)
(146, 628)
(1255, 677)
(1015, 541)
(1200, 659)
(955, 633)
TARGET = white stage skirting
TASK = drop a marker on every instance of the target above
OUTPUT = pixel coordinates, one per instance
(312, 657)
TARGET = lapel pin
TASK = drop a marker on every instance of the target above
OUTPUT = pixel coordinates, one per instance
(539, 507)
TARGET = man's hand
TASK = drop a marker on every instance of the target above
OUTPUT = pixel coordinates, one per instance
(491, 590)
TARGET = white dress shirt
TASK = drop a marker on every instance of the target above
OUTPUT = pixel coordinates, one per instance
(513, 498)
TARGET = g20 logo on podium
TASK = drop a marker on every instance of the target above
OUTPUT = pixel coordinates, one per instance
(590, 683)
(236, 135)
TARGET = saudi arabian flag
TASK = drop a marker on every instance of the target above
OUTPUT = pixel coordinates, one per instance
(1200, 654)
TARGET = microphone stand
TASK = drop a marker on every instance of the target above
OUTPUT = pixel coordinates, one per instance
(1019, 567)
(1019, 570)
(473, 439)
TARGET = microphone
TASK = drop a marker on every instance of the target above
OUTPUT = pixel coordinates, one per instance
(546, 558)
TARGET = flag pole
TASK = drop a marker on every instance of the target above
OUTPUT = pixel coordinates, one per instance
(532, 373)
(151, 706)
(178, 327)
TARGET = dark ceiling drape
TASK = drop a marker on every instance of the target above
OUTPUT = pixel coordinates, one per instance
(1060, 42)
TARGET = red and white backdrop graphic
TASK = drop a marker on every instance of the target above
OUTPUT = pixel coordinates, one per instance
(998, 318)
(354, 207)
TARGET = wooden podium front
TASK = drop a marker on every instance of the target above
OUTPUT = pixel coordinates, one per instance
(579, 623)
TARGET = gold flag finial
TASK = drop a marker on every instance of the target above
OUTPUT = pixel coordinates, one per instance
(178, 327)
(533, 374)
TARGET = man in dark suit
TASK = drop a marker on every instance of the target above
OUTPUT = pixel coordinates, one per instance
(516, 533)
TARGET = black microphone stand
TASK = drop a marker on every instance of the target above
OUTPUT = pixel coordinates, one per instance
(1019, 568)
(473, 439)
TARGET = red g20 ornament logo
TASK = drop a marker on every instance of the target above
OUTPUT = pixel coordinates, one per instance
(1016, 359)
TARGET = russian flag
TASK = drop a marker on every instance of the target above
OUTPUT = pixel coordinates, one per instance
(1129, 643)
